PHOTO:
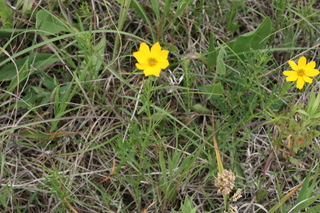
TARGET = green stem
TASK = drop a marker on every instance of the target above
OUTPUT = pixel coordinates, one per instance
(146, 101)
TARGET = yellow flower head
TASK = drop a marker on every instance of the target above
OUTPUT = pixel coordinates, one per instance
(301, 72)
(151, 61)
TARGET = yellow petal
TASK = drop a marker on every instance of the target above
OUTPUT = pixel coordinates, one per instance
(163, 64)
(293, 65)
(311, 73)
(307, 79)
(141, 66)
(290, 73)
(155, 50)
(144, 49)
(152, 71)
(300, 83)
(163, 55)
(141, 58)
(292, 78)
(311, 65)
(302, 62)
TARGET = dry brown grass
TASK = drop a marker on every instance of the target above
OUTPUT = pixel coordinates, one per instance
(79, 167)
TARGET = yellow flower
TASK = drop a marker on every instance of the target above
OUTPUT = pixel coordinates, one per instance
(151, 62)
(301, 72)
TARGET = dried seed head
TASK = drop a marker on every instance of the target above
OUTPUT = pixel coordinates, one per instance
(225, 182)
(233, 209)
(237, 195)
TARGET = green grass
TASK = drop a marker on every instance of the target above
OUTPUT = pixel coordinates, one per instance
(82, 129)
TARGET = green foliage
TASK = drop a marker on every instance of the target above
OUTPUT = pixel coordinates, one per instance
(176, 173)
(252, 41)
(187, 206)
(232, 24)
(62, 97)
(38, 61)
(56, 185)
(49, 24)
(221, 67)
(198, 108)
(213, 92)
(212, 54)
(83, 130)
(6, 190)
(6, 14)
(307, 195)
(299, 133)
(312, 112)
(163, 14)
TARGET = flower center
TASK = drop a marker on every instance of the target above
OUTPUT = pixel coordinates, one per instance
(152, 61)
(300, 72)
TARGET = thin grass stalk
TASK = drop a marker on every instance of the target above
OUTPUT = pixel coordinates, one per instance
(123, 13)
(219, 161)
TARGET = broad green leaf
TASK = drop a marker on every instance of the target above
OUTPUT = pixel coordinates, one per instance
(254, 40)
(49, 23)
(293, 160)
(212, 91)
(170, 47)
(201, 109)
(9, 71)
(5, 14)
(39, 60)
(276, 106)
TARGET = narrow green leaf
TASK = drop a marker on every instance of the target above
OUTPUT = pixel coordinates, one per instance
(221, 67)
(8, 32)
(305, 203)
(314, 209)
(233, 25)
(155, 8)
(23, 72)
(212, 54)
(98, 56)
(182, 4)
(167, 7)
